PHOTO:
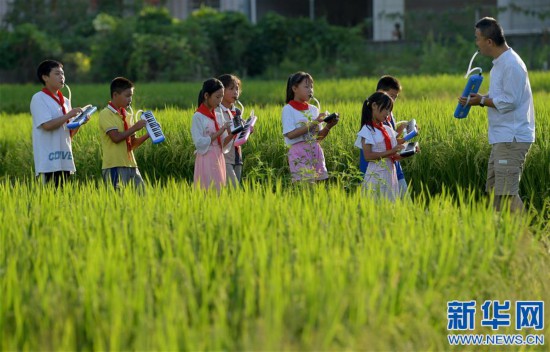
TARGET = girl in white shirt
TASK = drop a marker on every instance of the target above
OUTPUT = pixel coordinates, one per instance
(302, 130)
(380, 146)
(233, 155)
(208, 130)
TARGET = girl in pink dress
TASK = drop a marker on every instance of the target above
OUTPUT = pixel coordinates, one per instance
(209, 132)
(380, 147)
(302, 130)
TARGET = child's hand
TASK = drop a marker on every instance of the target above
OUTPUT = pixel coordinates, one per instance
(227, 127)
(401, 127)
(88, 117)
(321, 117)
(397, 148)
(74, 112)
(140, 124)
(313, 126)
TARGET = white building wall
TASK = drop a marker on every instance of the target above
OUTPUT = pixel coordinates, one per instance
(383, 25)
(516, 22)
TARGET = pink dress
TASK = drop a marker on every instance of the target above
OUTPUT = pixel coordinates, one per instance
(209, 160)
(306, 158)
(306, 161)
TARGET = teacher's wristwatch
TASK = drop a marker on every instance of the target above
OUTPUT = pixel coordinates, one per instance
(482, 102)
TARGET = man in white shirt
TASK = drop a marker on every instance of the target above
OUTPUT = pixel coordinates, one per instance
(510, 111)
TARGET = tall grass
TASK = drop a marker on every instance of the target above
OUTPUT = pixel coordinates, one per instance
(288, 268)
(274, 265)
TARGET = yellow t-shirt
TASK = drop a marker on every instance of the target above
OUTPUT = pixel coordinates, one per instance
(114, 154)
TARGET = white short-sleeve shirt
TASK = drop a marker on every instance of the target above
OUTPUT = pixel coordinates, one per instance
(52, 149)
(202, 128)
(293, 119)
(375, 137)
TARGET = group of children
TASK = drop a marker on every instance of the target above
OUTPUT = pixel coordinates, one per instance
(52, 147)
(303, 128)
(218, 162)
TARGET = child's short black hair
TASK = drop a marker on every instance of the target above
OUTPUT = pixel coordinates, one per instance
(46, 67)
(120, 84)
(387, 83)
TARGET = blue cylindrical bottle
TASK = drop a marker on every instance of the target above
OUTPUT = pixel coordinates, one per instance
(472, 86)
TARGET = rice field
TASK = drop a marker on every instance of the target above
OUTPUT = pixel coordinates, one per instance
(273, 266)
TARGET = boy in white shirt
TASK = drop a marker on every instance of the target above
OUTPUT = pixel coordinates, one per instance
(51, 139)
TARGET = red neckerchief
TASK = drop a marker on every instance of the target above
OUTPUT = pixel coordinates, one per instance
(60, 99)
(211, 115)
(122, 113)
(299, 105)
(387, 139)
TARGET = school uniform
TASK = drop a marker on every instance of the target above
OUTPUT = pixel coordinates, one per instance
(381, 175)
(210, 169)
(119, 166)
(52, 150)
(305, 157)
(400, 175)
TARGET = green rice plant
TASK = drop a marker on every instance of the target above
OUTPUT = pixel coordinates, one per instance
(273, 265)
(301, 268)
(441, 87)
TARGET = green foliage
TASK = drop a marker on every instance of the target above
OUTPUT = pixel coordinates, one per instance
(228, 35)
(152, 20)
(127, 38)
(112, 47)
(162, 58)
(77, 66)
(317, 47)
(290, 268)
(66, 20)
(269, 45)
(104, 23)
(25, 47)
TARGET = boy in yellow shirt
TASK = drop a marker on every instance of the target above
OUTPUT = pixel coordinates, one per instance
(118, 139)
